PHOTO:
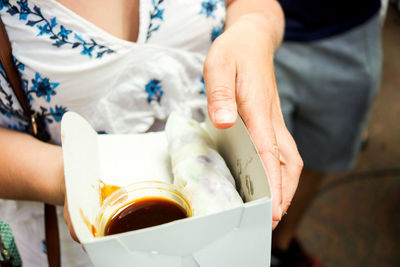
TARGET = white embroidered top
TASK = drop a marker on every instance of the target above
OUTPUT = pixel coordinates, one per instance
(69, 64)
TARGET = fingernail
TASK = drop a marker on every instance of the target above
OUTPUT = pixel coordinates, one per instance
(280, 211)
(224, 116)
(274, 224)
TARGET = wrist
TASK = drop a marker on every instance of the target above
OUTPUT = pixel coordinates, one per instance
(48, 175)
(269, 22)
(56, 179)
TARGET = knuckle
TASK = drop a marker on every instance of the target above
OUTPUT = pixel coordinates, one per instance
(220, 93)
(272, 150)
(244, 101)
(300, 162)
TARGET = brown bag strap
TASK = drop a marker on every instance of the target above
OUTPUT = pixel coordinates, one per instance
(52, 235)
(10, 70)
(39, 131)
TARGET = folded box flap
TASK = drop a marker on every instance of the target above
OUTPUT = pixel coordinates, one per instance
(79, 143)
(236, 147)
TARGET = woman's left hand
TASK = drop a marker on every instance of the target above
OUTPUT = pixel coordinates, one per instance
(239, 77)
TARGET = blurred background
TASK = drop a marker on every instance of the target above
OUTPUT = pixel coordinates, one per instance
(355, 219)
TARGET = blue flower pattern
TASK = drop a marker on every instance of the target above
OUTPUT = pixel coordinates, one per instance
(24, 10)
(41, 87)
(154, 91)
(156, 15)
(7, 109)
(217, 31)
(203, 86)
(60, 35)
(209, 8)
(57, 112)
(3, 4)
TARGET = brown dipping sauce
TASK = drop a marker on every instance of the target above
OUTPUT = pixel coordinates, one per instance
(142, 213)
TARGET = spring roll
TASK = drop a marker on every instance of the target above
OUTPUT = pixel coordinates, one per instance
(198, 169)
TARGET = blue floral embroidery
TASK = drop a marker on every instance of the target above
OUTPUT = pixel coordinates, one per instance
(154, 91)
(7, 109)
(209, 7)
(156, 14)
(52, 115)
(24, 10)
(19, 127)
(64, 32)
(217, 31)
(58, 33)
(57, 112)
(6, 106)
(4, 3)
(203, 86)
(42, 87)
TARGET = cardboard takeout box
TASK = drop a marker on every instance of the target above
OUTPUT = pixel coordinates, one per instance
(236, 237)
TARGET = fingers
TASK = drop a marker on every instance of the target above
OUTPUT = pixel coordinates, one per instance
(259, 106)
(291, 161)
(219, 78)
(255, 104)
(263, 137)
(256, 101)
(291, 167)
(291, 171)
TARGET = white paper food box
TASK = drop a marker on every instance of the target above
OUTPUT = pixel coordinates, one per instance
(239, 237)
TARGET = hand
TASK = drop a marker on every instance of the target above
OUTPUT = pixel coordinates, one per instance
(239, 77)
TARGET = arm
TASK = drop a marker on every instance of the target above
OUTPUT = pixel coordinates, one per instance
(239, 77)
(30, 169)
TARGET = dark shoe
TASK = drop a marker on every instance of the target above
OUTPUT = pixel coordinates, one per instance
(295, 256)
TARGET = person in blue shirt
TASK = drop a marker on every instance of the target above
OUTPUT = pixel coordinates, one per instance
(328, 73)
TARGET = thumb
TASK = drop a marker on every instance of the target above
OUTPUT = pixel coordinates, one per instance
(220, 81)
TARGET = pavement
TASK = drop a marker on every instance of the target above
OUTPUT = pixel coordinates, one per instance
(355, 218)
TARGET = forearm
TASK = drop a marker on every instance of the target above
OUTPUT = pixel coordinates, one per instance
(30, 169)
(267, 13)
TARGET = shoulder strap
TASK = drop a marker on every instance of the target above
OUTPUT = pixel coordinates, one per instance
(10, 70)
(39, 131)
(37, 126)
